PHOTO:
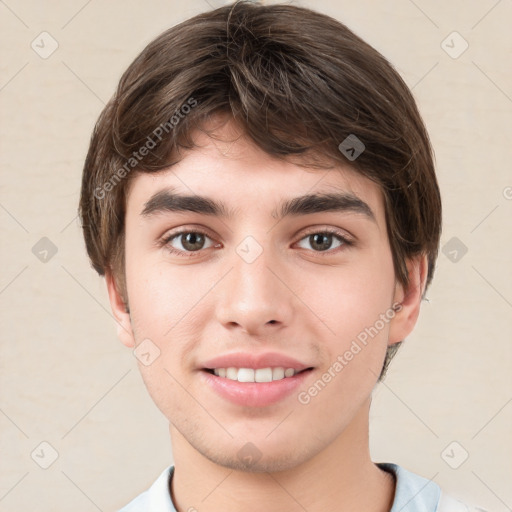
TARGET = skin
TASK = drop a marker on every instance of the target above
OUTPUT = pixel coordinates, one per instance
(313, 456)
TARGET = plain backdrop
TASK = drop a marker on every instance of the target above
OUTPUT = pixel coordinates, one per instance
(77, 426)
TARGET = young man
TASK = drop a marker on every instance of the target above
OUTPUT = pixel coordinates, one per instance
(260, 195)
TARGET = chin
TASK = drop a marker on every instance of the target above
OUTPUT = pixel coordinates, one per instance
(250, 459)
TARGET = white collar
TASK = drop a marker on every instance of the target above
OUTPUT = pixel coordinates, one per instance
(413, 493)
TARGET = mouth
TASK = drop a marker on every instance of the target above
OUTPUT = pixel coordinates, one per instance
(255, 387)
(256, 375)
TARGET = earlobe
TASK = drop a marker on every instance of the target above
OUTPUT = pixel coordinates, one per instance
(409, 299)
(121, 312)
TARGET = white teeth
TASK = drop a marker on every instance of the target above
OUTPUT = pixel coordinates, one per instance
(277, 373)
(232, 373)
(263, 375)
(251, 375)
(245, 375)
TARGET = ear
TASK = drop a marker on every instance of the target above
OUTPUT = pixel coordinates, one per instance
(119, 309)
(409, 299)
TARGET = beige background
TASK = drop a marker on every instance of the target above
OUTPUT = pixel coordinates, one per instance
(67, 381)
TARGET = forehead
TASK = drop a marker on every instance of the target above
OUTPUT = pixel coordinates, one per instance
(228, 166)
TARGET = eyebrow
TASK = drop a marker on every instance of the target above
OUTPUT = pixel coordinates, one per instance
(169, 201)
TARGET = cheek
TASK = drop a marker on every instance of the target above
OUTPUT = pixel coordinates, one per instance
(353, 298)
(358, 310)
(161, 308)
(354, 354)
(165, 305)
(158, 296)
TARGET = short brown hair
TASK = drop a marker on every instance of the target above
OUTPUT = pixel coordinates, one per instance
(299, 83)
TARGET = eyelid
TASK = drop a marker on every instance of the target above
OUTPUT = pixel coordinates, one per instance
(333, 231)
(180, 231)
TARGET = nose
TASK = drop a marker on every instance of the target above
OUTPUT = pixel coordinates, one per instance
(255, 297)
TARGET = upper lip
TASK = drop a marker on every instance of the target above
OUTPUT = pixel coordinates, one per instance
(247, 360)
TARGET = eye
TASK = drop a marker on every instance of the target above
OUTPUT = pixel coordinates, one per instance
(187, 242)
(322, 241)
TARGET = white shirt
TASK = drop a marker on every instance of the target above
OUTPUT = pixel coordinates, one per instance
(413, 493)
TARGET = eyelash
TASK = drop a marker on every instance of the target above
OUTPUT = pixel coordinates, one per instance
(345, 242)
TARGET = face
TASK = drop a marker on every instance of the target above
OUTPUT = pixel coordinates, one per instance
(258, 276)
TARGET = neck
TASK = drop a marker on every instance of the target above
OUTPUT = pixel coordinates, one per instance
(341, 477)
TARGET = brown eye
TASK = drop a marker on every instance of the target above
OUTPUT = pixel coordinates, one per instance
(322, 241)
(192, 241)
(187, 242)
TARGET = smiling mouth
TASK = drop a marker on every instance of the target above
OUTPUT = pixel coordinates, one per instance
(269, 374)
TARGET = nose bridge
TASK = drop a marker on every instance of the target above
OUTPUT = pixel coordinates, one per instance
(253, 295)
(252, 280)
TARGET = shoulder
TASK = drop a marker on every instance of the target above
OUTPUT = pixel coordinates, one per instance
(155, 498)
(450, 504)
(415, 493)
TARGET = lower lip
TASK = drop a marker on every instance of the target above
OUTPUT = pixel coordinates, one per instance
(254, 394)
